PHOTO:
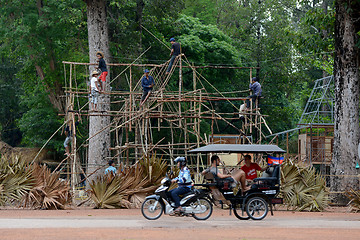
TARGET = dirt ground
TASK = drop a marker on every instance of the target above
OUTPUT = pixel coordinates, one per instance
(88, 223)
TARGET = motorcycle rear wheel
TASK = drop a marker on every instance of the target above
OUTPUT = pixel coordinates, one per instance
(152, 209)
(209, 209)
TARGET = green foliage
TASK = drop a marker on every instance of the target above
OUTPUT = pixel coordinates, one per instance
(127, 37)
(38, 32)
(204, 10)
(35, 37)
(39, 122)
(291, 42)
(207, 45)
(10, 109)
(313, 36)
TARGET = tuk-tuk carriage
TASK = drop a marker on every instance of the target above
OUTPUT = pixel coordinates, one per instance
(254, 203)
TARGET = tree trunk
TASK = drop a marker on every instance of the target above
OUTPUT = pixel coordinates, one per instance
(346, 75)
(99, 131)
(139, 17)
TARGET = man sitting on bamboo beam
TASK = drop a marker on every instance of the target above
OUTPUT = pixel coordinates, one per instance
(147, 83)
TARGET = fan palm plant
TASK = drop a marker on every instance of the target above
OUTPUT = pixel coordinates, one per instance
(49, 191)
(130, 186)
(153, 168)
(15, 178)
(104, 191)
(302, 188)
(354, 196)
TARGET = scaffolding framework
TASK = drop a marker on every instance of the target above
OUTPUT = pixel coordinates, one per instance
(317, 119)
(319, 108)
(315, 127)
(178, 114)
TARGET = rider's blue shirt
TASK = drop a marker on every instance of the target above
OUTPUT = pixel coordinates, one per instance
(184, 178)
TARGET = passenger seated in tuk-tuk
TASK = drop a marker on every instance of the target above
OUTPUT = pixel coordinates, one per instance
(238, 176)
(250, 169)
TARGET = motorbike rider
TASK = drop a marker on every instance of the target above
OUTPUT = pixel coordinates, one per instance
(184, 183)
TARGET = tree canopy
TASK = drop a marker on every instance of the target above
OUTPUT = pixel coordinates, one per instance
(290, 41)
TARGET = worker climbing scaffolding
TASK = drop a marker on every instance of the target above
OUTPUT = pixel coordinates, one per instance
(69, 133)
(175, 51)
(147, 83)
(255, 87)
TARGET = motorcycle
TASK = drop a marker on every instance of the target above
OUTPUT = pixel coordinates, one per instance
(194, 204)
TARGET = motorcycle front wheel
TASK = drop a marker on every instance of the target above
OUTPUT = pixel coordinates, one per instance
(152, 209)
(204, 205)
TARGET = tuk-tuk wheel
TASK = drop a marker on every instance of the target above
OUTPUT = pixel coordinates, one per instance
(257, 208)
(239, 212)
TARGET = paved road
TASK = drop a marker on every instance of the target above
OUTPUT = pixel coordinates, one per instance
(177, 222)
(129, 224)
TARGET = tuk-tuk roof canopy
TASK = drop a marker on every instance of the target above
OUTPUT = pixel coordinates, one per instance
(238, 148)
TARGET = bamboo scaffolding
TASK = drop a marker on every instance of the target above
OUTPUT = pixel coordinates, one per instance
(179, 113)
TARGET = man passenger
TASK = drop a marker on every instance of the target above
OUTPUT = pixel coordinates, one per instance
(238, 177)
(250, 169)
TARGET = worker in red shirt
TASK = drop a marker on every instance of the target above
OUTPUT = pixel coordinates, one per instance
(250, 168)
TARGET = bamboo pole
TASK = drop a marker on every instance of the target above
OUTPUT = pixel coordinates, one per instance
(287, 145)
(180, 87)
(127, 141)
(68, 177)
(160, 65)
(131, 100)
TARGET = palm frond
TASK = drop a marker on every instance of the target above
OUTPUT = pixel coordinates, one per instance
(354, 197)
(130, 186)
(15, 178)
(303, 188)
(49, 191)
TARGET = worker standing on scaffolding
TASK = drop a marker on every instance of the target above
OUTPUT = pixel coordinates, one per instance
(255, 87)
(103, 69)
(94, 90)
(175, 51)
(242, 110)
(147, 82)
